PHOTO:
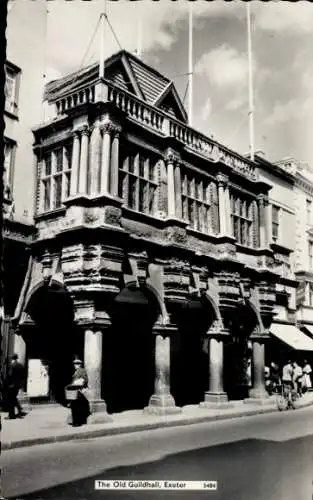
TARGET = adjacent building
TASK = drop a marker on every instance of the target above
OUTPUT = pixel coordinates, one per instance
(23, 91)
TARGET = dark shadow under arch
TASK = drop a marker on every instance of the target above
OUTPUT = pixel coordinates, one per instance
(244, 321)
(54, 336)
(189, 357)
(128, 363)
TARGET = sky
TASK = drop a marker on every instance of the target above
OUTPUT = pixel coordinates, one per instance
(282, 41)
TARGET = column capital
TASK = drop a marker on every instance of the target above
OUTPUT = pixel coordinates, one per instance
(110, 127)
(222, 179)
(84, 130)
(172, 156)
(76, 133)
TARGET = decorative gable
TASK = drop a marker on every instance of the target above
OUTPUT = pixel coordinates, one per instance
(170, 105)
(130, 74)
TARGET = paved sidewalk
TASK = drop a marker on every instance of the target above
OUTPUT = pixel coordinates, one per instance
(48, 424)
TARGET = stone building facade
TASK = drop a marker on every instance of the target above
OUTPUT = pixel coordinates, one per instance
(152, 259)
(22, 107)
(303, 255)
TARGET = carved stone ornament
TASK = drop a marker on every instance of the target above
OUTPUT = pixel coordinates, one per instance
(171, 156)
(113, 216)
(110, 127)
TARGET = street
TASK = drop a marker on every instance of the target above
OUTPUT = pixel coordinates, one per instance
(263, 457)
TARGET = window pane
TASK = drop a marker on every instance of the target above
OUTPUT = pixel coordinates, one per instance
(141, 166)
(142, 191)
(57, 191)
(48, 164)
(132, 192)
(151, 199)
(47, 194)
(59, 159)
(68, 154)
(151, 171)
(67, 184)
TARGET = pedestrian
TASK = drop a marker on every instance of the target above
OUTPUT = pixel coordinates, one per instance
(79, 406)
(307, 374)
(274, 376)
(297, 378)
(14, 382)
(287, 377)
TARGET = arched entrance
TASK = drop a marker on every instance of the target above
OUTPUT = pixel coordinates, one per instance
(189, 360)
(52, 339)
(129, 347)
(242, 323)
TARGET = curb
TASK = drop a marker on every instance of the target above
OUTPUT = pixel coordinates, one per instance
(107, 431)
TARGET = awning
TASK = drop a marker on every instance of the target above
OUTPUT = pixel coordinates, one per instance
(292, 336)
(309, 328)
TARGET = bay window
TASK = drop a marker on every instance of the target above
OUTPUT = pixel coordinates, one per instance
(200, 203)
(137, 181)
(55, 177)
(242, 220)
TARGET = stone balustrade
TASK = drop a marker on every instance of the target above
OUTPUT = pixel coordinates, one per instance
(157, 120)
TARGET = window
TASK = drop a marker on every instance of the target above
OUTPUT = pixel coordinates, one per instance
(137, 182)
(200, 203)
(242, 218)
(55, 177)
(9, 160)
(310, 255)
(309, 212)
(275, 222)
(12, 81)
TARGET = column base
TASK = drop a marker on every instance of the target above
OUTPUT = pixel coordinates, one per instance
(162, 404)
(99, 415)
(258, 396)
(215, 400)
(99, 412)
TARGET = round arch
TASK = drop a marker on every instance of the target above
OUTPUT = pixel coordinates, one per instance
(53, 337)
(129, 347)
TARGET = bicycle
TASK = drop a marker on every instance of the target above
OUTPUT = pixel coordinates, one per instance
(286, 397)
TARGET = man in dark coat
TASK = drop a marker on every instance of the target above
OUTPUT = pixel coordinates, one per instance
(14, 382)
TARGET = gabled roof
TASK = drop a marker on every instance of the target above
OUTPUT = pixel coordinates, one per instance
(129, 73)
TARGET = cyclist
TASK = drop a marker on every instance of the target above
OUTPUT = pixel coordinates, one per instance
(287, 379)
(297, 378)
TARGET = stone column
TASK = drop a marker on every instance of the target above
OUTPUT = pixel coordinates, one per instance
(258, 392)
(114, 170)
(75, 164)
(93, 366)
(105, 163)
(227, 210)
(172, 159)
(267, 222)
(222, 204)
(162, 402)
(215, 396)
(83, 168)
(177, 189)
(94, 160)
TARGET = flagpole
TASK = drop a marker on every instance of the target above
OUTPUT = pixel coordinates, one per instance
(190, 66)
(139, 37)
(250, 73)
(102, 33)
